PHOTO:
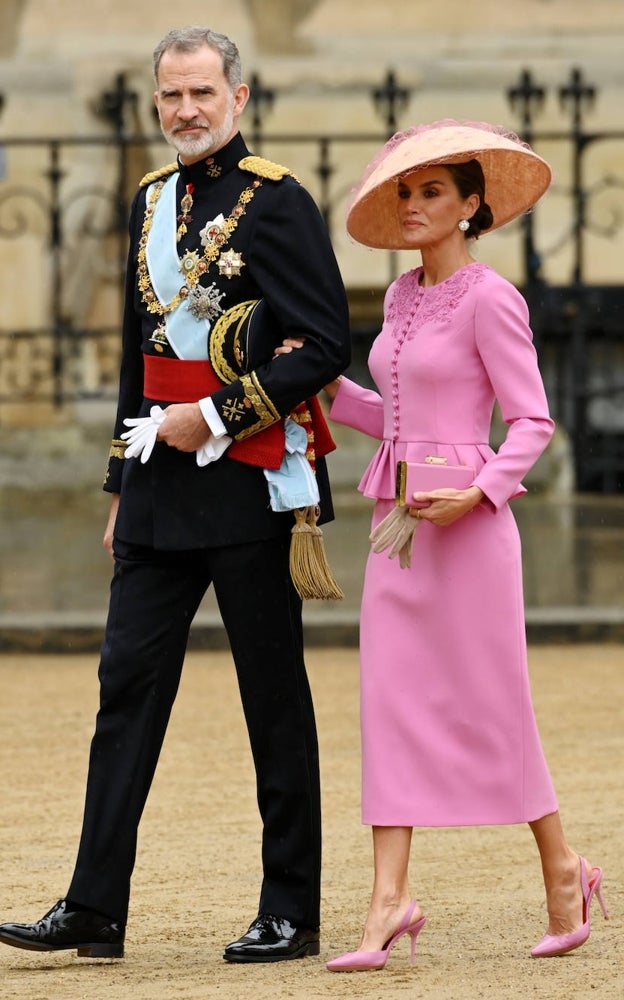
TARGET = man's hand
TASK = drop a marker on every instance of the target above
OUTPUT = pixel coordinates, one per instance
(184, 427)
(107, 541)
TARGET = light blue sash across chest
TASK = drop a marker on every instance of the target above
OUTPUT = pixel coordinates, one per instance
(187, 335)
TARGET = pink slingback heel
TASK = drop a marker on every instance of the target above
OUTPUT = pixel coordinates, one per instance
(363, 961)
(559, 944)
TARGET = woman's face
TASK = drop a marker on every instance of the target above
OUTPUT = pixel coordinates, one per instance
(430, 207)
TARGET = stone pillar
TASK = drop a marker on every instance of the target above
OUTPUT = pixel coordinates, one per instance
(275, 24)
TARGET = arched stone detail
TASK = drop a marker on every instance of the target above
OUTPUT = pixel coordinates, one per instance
(11, 13)
(275, 24)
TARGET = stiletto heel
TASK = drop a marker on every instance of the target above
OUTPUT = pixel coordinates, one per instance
(559, 944)
(362, 961)
(413, 931)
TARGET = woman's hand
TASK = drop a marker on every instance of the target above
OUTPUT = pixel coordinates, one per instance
(332, 387)
(294, 343)
(446, 506)
(289, 344)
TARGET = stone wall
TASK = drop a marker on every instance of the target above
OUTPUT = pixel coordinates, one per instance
(322, 57)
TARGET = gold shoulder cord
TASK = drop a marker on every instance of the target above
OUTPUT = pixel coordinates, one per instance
(157, 175)
(265, 168)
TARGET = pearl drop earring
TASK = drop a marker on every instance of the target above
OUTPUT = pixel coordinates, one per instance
(464, 225)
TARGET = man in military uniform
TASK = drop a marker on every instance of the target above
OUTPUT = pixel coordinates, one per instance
(210, 236)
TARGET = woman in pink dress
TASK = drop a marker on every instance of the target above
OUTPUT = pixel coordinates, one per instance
(449, 736)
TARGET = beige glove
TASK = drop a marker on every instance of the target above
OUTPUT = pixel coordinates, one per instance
(395, 532)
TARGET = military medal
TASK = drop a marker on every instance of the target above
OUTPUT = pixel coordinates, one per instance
(159, 337)
(212, 231)
(230, 263)
(186, 205)
(204, 303)
(190, 263)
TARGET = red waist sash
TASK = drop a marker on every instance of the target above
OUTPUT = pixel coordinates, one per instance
(178, 381)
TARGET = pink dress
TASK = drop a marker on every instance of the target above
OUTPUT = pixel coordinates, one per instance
(449, 736)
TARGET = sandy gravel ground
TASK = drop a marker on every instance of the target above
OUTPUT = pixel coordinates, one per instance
(197, 876)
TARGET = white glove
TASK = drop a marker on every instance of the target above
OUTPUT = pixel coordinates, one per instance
(142, 438)
(212, 450)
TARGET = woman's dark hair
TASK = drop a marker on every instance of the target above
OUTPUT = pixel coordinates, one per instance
(469, 179)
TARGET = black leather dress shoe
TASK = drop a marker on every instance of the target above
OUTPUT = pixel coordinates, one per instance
(92, 934)
(273, 939)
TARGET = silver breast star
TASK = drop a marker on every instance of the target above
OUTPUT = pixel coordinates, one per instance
(204, 303)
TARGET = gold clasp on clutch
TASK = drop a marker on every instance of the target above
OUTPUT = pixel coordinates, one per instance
(435, 460)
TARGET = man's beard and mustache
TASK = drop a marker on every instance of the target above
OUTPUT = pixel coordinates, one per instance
(210, 139)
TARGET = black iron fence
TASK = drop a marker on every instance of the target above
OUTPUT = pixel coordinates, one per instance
(63, 236)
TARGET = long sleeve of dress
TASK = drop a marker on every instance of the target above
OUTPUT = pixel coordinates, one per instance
(505, 344)
(359, 408)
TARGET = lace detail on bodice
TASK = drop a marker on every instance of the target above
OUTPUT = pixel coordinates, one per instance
(411, 301)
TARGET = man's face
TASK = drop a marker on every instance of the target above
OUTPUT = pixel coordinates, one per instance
(197, 109)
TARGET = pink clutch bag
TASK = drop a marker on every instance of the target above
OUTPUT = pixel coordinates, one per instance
(432, 474)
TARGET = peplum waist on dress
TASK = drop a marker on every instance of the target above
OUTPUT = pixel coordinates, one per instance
(379, 479)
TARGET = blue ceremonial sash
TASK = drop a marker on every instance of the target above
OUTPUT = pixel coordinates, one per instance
(187, 334)
(294, 483)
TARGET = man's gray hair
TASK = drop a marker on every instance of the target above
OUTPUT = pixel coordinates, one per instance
(192, 38)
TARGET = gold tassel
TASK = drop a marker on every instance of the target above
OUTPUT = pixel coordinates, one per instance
(330, 587)
(309, 569)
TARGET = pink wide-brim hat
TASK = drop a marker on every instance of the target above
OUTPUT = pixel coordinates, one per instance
(515, 176)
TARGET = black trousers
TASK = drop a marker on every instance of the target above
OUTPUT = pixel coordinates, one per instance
(154, 596)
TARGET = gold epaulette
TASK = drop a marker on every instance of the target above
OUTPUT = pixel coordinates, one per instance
(264, 168)
(157, 175)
